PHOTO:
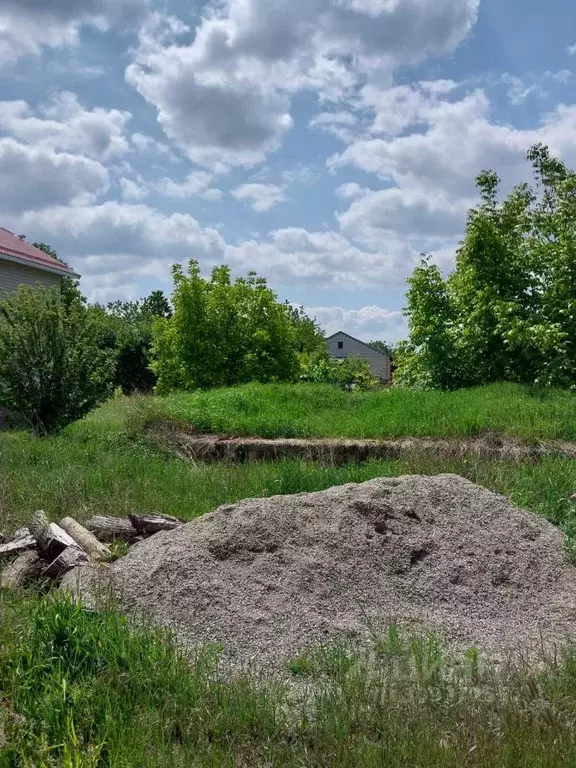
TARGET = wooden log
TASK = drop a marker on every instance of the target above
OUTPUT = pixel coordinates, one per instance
(23, 569)
(85, 539)
(17, 546)
(21, 533)
(51, 539)
(110, 528)
(148, 524)
(69, 558)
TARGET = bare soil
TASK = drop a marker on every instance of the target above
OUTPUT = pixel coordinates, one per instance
(198, 447)
(268, 577)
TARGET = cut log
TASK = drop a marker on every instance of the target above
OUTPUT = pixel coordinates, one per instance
(51, 539)
(148, 524)
(85, 540)
(69, 558)
(17, 546)
(21, 533)
(110, 528)
(23, 569)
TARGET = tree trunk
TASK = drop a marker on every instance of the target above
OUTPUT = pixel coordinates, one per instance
(23, 569)
(109, 528)
(51, 539)
(85, 540)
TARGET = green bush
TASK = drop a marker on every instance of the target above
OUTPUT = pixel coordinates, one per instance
(52, 370)
(223, 332)
(349, 373)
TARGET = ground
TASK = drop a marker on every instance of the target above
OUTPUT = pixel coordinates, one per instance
(78, 689)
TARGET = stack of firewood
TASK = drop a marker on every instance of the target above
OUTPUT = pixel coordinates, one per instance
(46, 550)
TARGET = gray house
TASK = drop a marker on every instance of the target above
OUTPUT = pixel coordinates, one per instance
(23, 264)
(341, 345)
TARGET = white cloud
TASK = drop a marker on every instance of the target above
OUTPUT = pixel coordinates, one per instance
(459, 140)
(340, 124)
(26, 26)
(349, 191)
(429, 174)
(33, 178)
(571, 50)
(263, 197)
(225, 99)
(147, 144)
(406, 213)
(196, 184)
(295, 256)
(67, 126)
(132, 190)
(366, 323)
(114, 245)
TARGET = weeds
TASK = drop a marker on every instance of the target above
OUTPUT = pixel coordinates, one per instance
(86, 689)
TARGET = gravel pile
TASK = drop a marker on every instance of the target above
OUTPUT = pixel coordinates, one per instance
(267, 577)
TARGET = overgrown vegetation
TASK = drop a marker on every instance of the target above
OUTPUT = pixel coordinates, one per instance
(508, 311)
(307, 410)
(85, 689)
(95, 467)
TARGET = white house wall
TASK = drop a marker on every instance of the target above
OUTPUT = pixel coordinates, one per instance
(379, 363)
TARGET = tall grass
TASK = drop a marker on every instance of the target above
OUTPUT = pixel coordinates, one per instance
(92, 468)
(85, 690)
(313, 410)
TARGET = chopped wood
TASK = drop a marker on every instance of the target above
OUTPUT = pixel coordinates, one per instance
(17, 546)
(148, 524)
(21, 533)
(23, 569)
(85, 539)
(110, 528)
(71, 557)
(51, 539)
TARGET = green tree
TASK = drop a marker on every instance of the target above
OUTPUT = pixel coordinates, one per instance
(126, 327)
(309, 337)
(382, 346)
(52, 370)
(69, 286)
(508, 311)
(222, 332)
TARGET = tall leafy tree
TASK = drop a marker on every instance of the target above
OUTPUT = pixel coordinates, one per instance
(223, 332)
(508, 311)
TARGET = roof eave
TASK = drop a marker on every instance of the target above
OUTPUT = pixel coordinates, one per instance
(66, 272)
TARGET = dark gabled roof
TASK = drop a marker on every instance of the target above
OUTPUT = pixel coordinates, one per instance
(16, 249)
(342, 333)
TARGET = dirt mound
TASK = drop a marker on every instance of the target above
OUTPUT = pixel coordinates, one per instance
(269, 576)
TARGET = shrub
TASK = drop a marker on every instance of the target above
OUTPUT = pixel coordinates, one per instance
(52, 370)
(223, 332)
(349, 373)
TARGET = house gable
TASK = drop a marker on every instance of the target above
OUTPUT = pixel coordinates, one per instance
(341, 345)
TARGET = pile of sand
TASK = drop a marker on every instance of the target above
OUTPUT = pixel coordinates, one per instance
(269, 576)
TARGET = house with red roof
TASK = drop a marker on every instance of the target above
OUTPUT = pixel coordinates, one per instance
(23, 264)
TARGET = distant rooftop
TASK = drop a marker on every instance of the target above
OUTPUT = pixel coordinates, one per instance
(15, 248)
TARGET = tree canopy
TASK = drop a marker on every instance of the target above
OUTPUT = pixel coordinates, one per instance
(508, 310)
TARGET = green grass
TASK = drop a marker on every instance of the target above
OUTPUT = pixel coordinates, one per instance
(94, 467)
(85, 690)
(313, 410)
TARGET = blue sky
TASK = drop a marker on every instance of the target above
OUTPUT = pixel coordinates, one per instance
(322, 143)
